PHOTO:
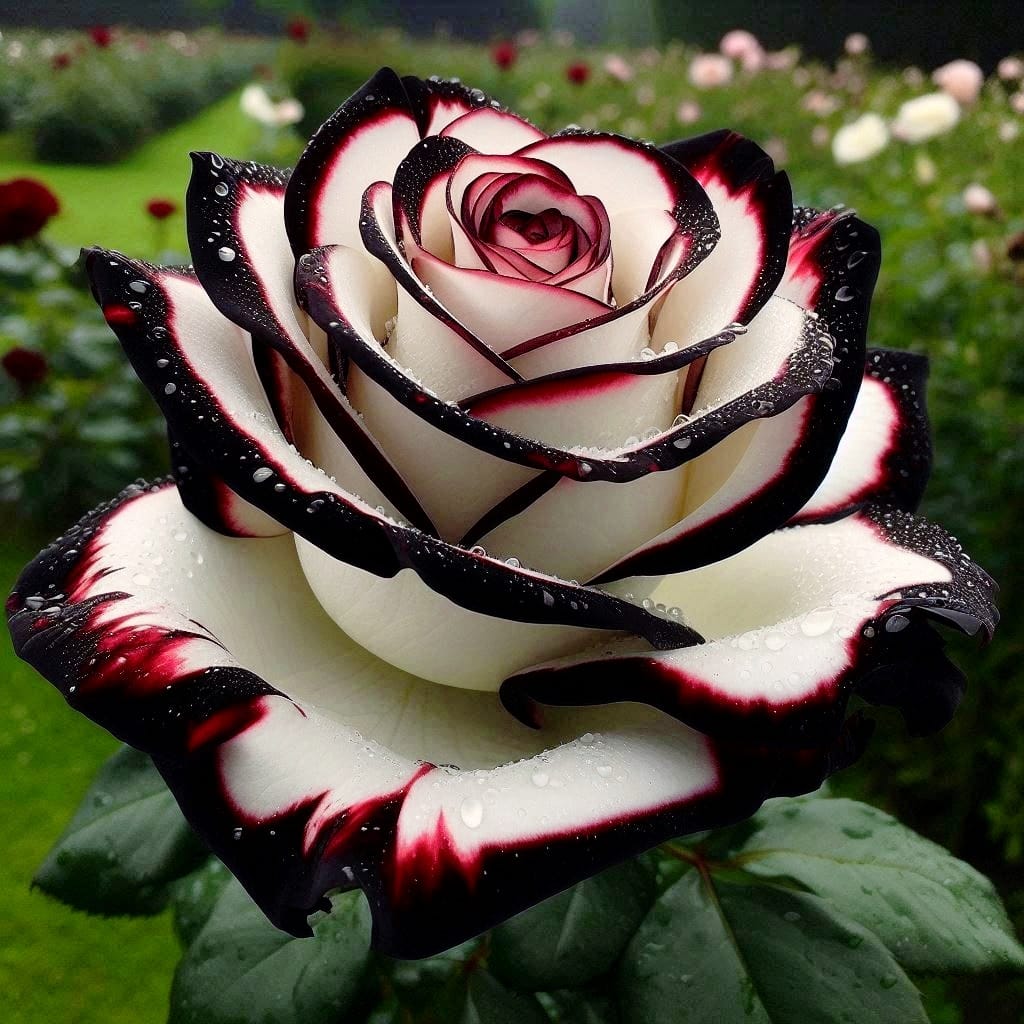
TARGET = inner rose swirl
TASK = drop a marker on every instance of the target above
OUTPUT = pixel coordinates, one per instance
(535, 499)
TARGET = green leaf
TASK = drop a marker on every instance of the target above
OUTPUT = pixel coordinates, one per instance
(575, 1007)
(125, 844)
(936, 913)
(240, 969)
(576, 936)
(194, 897)
(712, 952)
(487, 1001)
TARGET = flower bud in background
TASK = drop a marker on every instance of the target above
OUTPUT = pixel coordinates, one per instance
(688, 112)
(618, 68)
(26, 205)
(25, 367)
(101, 35)
(864, 138)
(504, 54)
(856, 44)
(297, 29)
(1011, 69)
(578, 72)
(962, 79)
(161, 209)
(710, 70)
(925, 171)
(979, 200)
(925, 117)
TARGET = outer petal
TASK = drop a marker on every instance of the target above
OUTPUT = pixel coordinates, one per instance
(192, 360)
(242, 260)
(885, 453)
(825, 606)
(762, 473)
(754, 206)
(250, 711)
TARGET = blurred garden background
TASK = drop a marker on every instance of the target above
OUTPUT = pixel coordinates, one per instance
(101, 102)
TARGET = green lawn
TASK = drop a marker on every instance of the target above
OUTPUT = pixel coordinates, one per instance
(105, 205)
(56, 964)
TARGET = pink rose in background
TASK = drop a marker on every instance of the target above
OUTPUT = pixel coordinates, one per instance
(710, 70)
(962, 79)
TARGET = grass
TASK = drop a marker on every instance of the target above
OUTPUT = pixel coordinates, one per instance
(57, 964)
(105, 205)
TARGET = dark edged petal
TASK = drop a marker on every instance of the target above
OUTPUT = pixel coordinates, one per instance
(362, 142)
(765, 471)
(194, 361)
(754, 205)
(251, 710)
(885, 454)
(796, 623)
(493, 130)
(212, 502)
(782, 358)
(240, 254)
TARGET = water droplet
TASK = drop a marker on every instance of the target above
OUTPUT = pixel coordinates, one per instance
(817, 623)
(513, 562)
(540, 779)
(682, 442)
(216, 161)
(587, 738)
(226, 253)
(888, 980)
(647, 353)
(261, 474)
(604, 770)
(549, 599)
(857, 833)
(141, 287)
(845, 294)
(161, 363)
(896, 623)
(236, 833)
(791, 915)
(472, 812)
(775, 641)
(221, 188)
(170, 388)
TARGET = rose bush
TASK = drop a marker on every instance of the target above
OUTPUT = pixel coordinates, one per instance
(480, 436)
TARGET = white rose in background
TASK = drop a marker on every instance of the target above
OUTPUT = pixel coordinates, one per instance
(924, 117)
(861, 140)
(535, 499)
(256, 103)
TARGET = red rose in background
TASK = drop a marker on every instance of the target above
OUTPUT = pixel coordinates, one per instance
(297, 29)
(161, 209)
(504, 54)
(61, 61)
(578, 73)
(25, 207)
(24, 367)
(101, 35)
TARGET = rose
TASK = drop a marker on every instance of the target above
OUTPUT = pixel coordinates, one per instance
(962, 79)
(513, 362)
(860, 140)
(26, 206)
(161, 209)
(924, 117)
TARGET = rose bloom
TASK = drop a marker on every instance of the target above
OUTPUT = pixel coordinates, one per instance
(536, 499)
(255, 101)
(1010, 69)
(504, 54)
(161, 209)
(962, 79)
(25, 367)
(618, 68)
(924, 117)
(26, 206)
(738, 44)
(979, 199)
(688, 112)
(709, 70)
(856, 44)
(578, 72)
(861, 140)
(297, 29)
(101, 35)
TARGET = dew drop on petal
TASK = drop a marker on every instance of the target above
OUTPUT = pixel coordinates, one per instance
(226, 253)
(472, 812)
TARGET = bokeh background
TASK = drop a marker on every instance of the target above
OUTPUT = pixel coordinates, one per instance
(102, 101)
